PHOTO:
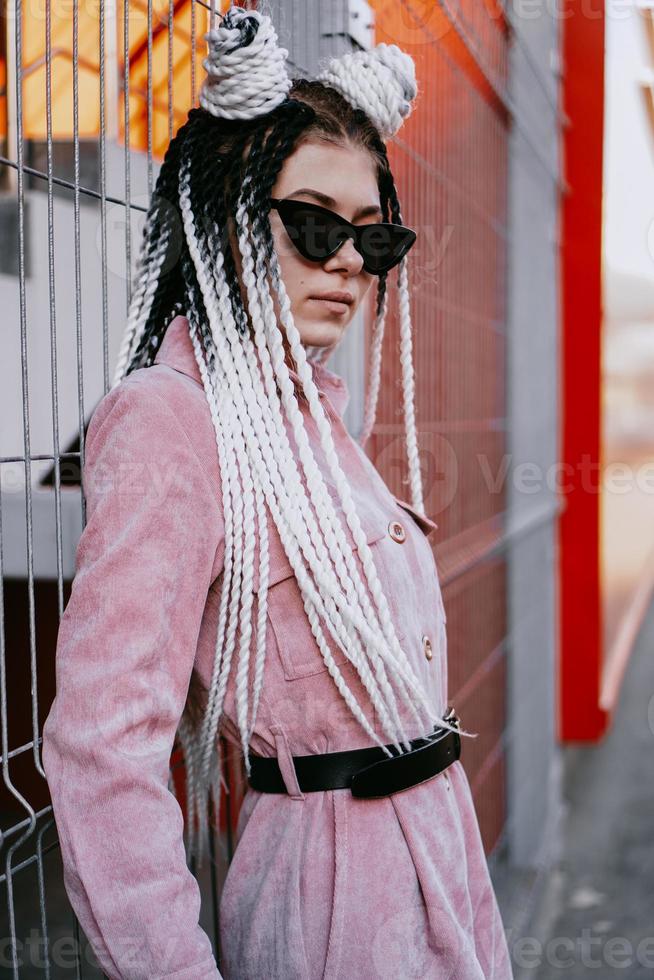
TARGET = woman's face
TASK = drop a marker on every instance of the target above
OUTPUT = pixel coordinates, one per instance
(343, 179)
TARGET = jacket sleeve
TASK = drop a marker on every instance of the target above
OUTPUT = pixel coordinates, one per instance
(125, 651)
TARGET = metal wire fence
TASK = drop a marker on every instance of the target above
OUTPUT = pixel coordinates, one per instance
(90, 97)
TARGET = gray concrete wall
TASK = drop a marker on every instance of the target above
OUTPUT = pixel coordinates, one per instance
(45, 334)
(533, 408)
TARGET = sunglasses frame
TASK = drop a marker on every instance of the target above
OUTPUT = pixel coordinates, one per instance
(286, 206)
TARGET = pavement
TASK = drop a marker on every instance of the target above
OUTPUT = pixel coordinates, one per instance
(591, 913)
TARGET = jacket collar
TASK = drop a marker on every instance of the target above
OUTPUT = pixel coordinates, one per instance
(177, 352)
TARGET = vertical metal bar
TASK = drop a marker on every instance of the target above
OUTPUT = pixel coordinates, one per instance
(149, 100)
(53, 320)
(127, 157)
(76, 246)
(5, 743)
(55, 413)
(171, 12)
(28, 495)
(78, 323)
(103, 201)
(25, 385)
(193, 46)
(10, 97)
(41, 883)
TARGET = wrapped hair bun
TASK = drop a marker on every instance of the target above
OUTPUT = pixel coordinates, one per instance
(382, 82)
(246, 69)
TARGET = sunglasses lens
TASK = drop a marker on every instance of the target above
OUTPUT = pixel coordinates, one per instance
(317, 235)
(384, 245)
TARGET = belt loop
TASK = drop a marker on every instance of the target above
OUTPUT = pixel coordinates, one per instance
(285, 762)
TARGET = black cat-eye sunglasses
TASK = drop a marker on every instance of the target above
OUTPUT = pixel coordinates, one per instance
(318, 233)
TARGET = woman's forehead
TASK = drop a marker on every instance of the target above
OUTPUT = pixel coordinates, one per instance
(342, 177)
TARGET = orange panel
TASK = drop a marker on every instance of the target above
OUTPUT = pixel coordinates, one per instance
(450, 161)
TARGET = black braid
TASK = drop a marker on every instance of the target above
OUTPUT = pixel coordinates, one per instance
(170, 294)
(283, 139)
(215, 149)
(387, 195)
(211, 176)
(270, 145)
(212, 196)
(208, 174)
(165, 209)
(169, 285)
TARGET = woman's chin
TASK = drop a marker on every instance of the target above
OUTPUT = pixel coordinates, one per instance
(321, 334)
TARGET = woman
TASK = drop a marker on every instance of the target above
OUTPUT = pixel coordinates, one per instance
(245, 571)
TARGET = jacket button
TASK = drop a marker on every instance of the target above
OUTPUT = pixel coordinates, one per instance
(426, 646)
(397, 532)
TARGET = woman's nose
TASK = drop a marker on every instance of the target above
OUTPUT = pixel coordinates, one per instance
(347, 257)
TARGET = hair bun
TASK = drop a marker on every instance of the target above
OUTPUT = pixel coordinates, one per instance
(381, 81)
(246, 68)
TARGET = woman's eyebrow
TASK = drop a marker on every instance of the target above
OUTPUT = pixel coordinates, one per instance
(329, 202)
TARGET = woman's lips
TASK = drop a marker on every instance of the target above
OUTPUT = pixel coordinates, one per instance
(331, 304)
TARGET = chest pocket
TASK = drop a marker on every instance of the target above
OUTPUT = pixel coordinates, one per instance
(298, 650)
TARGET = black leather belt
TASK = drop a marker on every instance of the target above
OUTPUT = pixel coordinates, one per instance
(367, 772)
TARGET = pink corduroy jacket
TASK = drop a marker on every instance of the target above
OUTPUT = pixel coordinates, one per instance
(321, 885)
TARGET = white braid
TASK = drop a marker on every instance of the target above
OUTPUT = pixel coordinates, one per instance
(408, 387)
(374, 373)
(401, 665)
(345, 691)
(335, 538)
(264, 565)
(243, 82)
(241, 224)
(342, 556)
(224, 646)
(143, 295)
(252, 400)
(272, 461)
(216, 696)
(381, 81)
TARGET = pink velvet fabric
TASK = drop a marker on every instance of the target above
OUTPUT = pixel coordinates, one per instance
(321, 885)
